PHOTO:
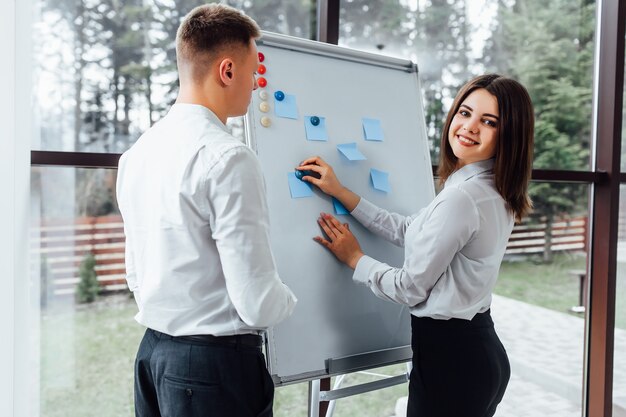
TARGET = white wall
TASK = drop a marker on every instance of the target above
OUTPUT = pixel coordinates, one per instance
(14, 188)
(7, 208)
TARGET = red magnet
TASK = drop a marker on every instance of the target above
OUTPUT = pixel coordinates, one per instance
(262, 82)
(261, 69)
(261, 57)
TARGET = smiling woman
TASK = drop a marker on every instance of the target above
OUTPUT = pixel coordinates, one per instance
(452, 248)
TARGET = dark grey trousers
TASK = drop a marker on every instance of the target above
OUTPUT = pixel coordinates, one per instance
(175, 377)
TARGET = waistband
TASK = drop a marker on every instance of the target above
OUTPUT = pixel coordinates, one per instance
(244, 340)
(480, 320)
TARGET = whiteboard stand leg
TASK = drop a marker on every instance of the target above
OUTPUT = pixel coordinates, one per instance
(314, 398)
(320, 394)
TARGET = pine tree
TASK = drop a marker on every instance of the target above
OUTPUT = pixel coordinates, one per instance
(88, 288)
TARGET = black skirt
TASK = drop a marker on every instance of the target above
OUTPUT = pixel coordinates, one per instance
(460, 368)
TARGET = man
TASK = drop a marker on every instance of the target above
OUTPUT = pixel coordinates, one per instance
(197, 241)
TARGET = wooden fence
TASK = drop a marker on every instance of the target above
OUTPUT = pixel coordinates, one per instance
(61, 246)
(530, 236)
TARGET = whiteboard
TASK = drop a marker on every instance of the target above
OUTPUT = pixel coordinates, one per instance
(338, 326)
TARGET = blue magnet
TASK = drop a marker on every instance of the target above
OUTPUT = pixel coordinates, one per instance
(280, 96)
(315, 120)
(306, 173)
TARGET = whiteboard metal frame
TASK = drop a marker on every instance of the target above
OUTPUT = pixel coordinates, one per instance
(366, 360)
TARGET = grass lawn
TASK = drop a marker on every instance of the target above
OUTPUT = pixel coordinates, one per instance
(87, 358)
(550, 285)
(87, 352)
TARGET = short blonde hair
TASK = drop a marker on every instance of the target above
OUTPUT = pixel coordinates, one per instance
(209, 30)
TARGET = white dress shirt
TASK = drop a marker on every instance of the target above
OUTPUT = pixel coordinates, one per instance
(452, 248)
(198, 256)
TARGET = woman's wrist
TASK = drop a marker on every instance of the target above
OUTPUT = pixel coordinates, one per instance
(355, 260)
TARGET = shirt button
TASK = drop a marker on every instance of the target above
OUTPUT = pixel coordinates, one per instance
(266, 121)
(263, 94)
(264, 106)
(261, 57)
(279, 95)
(261, 69)
(262, 82)
(315, 120)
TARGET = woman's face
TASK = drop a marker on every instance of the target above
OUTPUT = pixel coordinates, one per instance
(474, 128)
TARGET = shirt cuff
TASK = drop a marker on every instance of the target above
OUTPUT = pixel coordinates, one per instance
(363, 268)
(364, 212)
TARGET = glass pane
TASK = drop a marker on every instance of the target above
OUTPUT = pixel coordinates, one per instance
(88, 337)
(105, 71)
(538, 306)
(548, 46)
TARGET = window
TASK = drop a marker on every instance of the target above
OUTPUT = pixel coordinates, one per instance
(105, 71)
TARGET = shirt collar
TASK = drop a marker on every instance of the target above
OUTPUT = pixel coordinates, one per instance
(186, 109)
(469, 171)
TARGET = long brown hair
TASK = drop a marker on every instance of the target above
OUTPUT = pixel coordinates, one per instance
(514, 143)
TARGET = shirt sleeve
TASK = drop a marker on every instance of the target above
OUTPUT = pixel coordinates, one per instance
(450, 224)
(389, 226)
(129, 259)
(240, 228)
(131, 274)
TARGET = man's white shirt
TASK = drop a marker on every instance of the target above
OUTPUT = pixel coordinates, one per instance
(195, 213)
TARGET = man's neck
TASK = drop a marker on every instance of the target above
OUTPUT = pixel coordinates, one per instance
(213, 103)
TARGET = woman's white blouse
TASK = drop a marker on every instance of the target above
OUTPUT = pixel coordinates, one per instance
(453, 247)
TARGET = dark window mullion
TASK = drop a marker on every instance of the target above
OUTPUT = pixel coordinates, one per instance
(608, 96)
(328, 21)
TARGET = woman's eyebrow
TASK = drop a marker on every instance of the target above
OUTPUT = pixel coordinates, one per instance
(484, 114)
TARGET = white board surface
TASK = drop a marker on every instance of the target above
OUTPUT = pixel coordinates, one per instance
(335, 317)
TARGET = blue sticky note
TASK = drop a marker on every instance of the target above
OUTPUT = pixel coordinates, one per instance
(350, 151)
(298, 188)
(339, 208)
(380, 180)
(315, 132)
(286, 107)
(372, 129)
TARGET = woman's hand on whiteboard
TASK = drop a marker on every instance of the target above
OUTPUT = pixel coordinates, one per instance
(340, 240)
(327, 181)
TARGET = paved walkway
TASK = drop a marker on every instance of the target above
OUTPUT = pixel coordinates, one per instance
(545, 348)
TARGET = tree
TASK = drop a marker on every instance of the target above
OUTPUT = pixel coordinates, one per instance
(441, 44)
(549, 48)
(88, 288)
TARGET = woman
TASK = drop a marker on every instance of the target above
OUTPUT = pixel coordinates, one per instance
(453, 248)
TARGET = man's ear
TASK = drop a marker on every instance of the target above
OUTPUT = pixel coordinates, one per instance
(227, 71)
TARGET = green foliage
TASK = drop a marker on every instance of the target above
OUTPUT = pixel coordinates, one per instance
(88, 288)
(548, 46)
(45, 281)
